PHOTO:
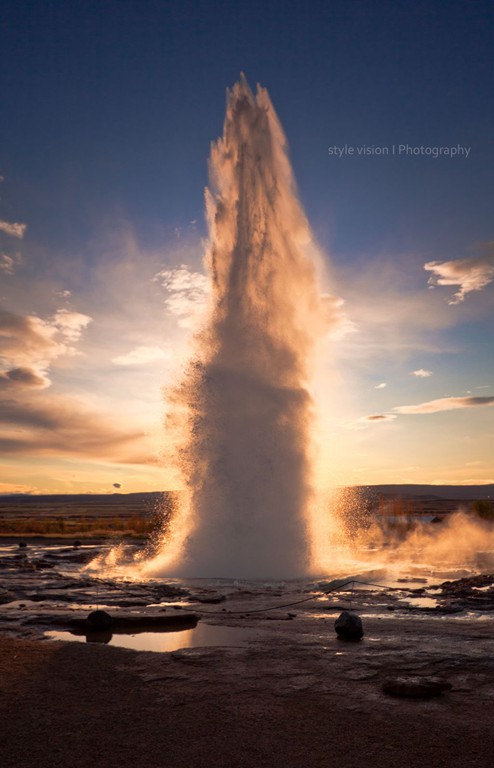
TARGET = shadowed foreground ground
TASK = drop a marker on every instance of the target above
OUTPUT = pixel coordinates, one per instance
(276, 704)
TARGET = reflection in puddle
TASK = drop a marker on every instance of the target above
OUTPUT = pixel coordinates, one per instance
(204, 635)
(423, 602)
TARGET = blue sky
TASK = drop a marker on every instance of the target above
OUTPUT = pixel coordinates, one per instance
(108, 110)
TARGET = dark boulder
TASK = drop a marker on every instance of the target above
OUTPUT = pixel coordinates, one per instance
(348, 626)
(98, 620)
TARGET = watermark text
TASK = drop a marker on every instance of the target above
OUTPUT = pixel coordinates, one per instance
(398, 150)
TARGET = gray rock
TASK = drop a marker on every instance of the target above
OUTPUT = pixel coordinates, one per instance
(415, 687)
(348, 626)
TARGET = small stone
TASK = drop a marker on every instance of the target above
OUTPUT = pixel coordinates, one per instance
(416, 687)
(77, 543)
(348, 626)
(22, 544)
(98, 620)
(213, 599)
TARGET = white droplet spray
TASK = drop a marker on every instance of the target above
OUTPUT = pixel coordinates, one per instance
(245, 401)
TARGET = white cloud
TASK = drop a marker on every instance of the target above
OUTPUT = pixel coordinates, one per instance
(444, 404)
(187, 293)
(142, 356)
(421, 373)
(470, 274)
(14, 229)
(382, 385)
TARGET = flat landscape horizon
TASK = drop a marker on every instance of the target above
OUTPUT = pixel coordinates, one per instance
(456, 491)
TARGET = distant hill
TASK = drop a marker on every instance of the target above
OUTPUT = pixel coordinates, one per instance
(81, 498)
(424, 492)
(430, 492)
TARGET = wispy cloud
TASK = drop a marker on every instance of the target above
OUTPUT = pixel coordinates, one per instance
(367, 421)
(60, 425)
(471, 274)
(444, 404)
(142, 356)
(187, 293)
(14, 229)
(421, 373)
(385, 288)
(432, 406)
(9, 263)
(382, 385)
(380, 417)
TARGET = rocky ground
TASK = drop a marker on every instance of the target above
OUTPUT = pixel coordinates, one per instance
(292, 695)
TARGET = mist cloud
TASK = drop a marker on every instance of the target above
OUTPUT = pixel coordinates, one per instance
(338, 322)
(187, 293)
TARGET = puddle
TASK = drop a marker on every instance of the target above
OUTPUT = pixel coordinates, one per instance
(423, 602)
(202, 636)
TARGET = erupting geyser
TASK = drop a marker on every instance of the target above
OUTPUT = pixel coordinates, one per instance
(246, 460)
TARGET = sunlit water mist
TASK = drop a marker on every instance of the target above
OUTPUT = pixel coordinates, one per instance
(245, 399)
(360, 537)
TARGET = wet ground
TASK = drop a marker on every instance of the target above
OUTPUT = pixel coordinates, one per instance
(47, 592)
(247, 674)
